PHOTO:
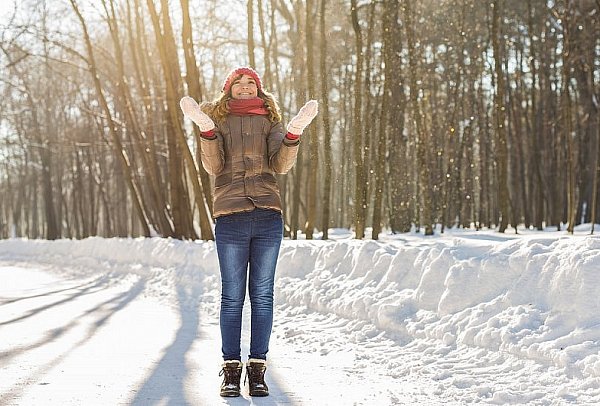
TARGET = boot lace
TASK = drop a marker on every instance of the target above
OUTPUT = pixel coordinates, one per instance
(231, 374)
(256, 374)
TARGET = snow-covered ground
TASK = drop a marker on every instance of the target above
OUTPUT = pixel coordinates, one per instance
(463, 317)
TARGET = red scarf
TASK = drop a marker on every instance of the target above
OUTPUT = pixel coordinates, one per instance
(243, 107)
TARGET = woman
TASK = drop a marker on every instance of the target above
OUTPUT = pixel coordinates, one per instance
(243, 145)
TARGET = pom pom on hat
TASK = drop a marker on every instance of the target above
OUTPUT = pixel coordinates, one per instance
(244, 70)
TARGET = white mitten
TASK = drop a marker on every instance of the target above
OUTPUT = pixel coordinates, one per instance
(303, 118)
(191, 110)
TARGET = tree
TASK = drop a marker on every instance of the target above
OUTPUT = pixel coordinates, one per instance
(360, 190)
(422, 141)
(313, 168)
(195, 91)
(500, 119)
(324, 112)
(251, 46)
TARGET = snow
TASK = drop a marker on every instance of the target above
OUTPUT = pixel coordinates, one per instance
(463, 317)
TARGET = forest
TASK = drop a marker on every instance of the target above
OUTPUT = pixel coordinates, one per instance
(433, 114)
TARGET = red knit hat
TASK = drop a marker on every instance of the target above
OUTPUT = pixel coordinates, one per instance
(244, 70)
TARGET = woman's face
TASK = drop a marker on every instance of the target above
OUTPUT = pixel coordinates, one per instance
(244, 88)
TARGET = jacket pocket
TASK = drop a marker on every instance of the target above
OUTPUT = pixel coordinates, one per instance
(269, 184)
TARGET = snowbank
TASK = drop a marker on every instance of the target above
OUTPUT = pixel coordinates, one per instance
(533, 296)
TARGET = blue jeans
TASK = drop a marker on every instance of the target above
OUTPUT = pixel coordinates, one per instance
(248, 239)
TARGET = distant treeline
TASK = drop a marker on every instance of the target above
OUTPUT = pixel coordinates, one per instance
(463, 113)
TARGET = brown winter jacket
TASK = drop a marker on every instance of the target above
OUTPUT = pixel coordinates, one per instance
(244, 156)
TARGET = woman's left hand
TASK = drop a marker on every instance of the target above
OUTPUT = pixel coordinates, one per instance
(303, 118)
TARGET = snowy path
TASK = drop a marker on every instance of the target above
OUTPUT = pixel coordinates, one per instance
(421, 322)
(107, 341)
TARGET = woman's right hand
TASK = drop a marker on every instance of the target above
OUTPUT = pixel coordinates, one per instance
(191, 110)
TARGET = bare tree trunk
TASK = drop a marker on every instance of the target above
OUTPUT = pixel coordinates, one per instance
(345, 174)
(390, 18)
(33, 226)
(313, 167)
(195, 90)
(515, 163)
(360, 190)
(250, 17)
(179, 186)
(423, 162)
(502, 151)
(368, 121)
(584, 54)
(300, 91)
(537, 154)
(80, 198)
(568, 120)
(399, 178)
(52, 230)
(326, 124)
(267, 75)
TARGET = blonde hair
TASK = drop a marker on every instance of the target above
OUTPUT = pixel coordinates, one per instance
(218, 109)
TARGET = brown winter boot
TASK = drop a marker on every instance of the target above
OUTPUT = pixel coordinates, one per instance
(231, 372)
(255, 373)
